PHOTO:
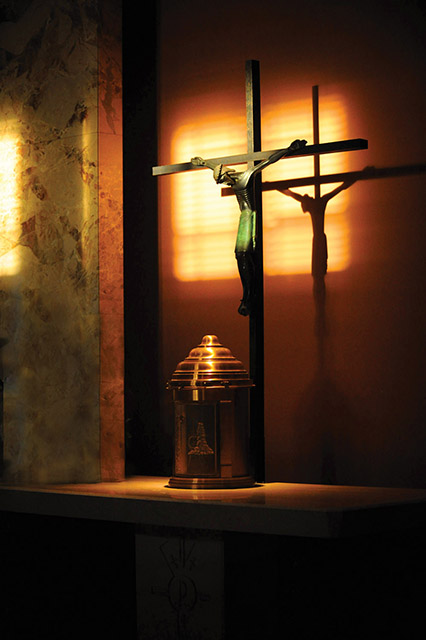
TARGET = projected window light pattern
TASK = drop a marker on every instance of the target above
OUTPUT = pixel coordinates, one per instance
(9, 208)
(204, 223)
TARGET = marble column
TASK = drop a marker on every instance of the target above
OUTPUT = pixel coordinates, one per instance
(61, 313)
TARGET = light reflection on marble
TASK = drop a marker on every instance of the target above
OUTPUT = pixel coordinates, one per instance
(9, 210)
(50, 306)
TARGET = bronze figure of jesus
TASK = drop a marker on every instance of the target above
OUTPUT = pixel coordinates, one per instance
(241, 183)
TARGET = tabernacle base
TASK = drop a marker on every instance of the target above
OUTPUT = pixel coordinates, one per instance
(211, 483)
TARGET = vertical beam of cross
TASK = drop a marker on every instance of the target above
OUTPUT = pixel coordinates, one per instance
(256, 328)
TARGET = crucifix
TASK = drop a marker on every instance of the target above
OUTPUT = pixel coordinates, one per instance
(250, 237)
(247, 187)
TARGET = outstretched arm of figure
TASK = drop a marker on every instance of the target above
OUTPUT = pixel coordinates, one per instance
(200, 162)
(274, 157)
(281, 153)
(292, 194)
(345, 185)
(243, 178)
(221, 173)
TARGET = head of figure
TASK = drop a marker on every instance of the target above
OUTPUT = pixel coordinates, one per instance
(221, 174)
(306, 200)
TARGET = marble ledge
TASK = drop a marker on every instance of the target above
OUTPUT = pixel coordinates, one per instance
(315, 511)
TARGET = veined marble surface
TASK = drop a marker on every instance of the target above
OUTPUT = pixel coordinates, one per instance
(49, 241)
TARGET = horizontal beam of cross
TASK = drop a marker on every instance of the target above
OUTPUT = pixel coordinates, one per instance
(313, 149)
(366, 174)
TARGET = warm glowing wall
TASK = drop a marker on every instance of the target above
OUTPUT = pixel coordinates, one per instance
(204, 223)
(60, 241)
(356, 414)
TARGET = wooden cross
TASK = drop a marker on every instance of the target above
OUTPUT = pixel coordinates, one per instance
(255, 154)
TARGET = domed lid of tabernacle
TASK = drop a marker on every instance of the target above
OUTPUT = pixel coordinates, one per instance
(210, 364)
